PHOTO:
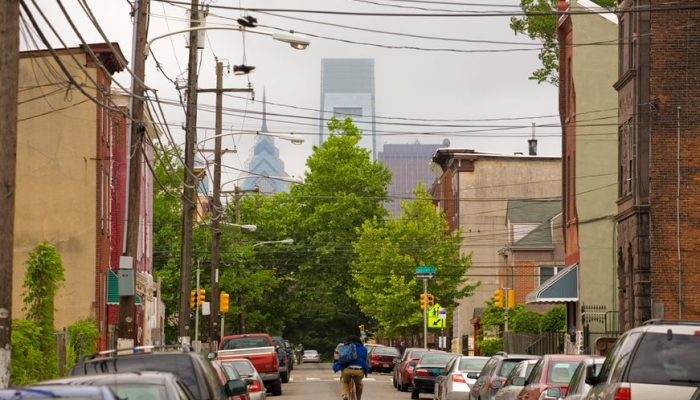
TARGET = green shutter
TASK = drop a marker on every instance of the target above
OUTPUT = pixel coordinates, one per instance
(112, 288)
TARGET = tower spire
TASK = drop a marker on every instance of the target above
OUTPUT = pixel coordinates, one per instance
(263, 128)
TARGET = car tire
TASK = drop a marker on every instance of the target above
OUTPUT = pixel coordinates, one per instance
(415, 393)
(276, 389)
(284, 377)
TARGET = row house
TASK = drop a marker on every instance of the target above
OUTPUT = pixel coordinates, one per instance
(72, 158)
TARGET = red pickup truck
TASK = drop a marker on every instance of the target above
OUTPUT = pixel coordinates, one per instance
(260, 349)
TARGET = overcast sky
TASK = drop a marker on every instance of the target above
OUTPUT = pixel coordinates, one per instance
(443, 86)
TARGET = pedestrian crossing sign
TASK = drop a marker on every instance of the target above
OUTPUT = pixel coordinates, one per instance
(436, 317)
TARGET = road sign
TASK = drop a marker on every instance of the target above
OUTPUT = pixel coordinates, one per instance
(434, 319)
(425, 272)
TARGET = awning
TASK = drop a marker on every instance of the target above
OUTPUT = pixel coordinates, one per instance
(113, 290)
(561, 288)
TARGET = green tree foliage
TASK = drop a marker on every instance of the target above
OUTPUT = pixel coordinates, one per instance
(544, 28)
(82, 340)
(489, 347)
(554, 320)
(526, 322)
(29, 362)
(387, 255)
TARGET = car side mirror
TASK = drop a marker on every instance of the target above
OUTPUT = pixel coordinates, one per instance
(412, 364)
(211, 356)
(555, 393)
(591, 375)
(236, 387)
(397, 360)
(473, 375)
(497, 384)
(518, 381)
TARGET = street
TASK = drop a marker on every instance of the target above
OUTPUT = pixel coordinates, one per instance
(317, 381)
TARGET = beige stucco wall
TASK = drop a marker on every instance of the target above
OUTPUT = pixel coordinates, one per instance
(484, 195)
(55, 198)
(595, 71)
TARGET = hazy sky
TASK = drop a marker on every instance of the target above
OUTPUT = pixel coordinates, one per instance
(437, 87)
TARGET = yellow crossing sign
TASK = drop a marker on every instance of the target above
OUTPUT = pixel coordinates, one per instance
(437, 317)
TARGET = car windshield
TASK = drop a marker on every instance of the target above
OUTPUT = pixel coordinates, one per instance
(436, 359)
(507, 366)
(667, 359)
(246, 343)
(134, 391)
(310, 352)
(386, 351)
(243, 367)
(472, 364)
(561, 372)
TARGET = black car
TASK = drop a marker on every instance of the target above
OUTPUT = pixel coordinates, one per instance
(429, 367)
(192, 368)
(497, 368)
(285, 356)
(134, 385)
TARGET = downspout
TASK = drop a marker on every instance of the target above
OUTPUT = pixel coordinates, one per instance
(678, 212)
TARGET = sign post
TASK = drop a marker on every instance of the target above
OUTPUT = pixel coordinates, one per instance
(425, 273)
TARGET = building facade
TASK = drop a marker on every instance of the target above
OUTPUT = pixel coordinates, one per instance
(588, 107)
(473, 189)
(409, 164)
(658, 171)
(347, 90)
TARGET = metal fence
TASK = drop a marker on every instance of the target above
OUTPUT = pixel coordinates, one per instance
(527, 343)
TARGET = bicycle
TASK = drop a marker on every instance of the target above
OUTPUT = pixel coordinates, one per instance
(352, 392)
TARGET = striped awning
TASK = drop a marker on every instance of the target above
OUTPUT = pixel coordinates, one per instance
(561, 288)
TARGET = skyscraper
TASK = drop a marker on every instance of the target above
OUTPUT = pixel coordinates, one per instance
(264, 162)
(347, 90)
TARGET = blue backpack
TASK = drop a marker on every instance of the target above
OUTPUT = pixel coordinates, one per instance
(347, 354)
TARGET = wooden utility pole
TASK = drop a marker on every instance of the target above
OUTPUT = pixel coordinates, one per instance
(188, 192)
(127, 304)
(216, 214)
(9, 76)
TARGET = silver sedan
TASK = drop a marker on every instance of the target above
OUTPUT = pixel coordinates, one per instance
(458, 377)
(256, 387)
(311, 356)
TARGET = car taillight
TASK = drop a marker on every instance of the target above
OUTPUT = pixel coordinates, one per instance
(254, 386)
(623, 393)
(457, 378)
(422, 372)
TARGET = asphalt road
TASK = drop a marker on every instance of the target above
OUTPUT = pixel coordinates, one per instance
(317, 381)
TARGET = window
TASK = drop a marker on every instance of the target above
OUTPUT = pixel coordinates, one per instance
(342, 112)
(666, 359)
(548, 272)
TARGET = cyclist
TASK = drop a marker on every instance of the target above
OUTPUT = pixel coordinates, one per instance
(356, 369)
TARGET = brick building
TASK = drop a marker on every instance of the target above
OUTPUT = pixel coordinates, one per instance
(659, 169)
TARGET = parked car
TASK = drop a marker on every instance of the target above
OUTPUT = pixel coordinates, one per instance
(231, 375)
(284, 358)
(658, 360)
(192, 368)
(496, 370)
(256, 386)
(336, 352)
(260, 349)
(515, 382)
(578, 388)
(549, 379)
(383, 358)
(311, 356)
(455, 382)
(428, 367)
(401, 366)
(148, 385)
(59, 392)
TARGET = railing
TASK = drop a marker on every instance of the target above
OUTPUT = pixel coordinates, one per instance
(547, 343)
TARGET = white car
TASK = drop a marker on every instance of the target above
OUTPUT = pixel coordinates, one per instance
(458, 377)
(311, 356)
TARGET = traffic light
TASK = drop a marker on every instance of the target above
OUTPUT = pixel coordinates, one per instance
(202, 296)
(431, 301)
(193, 299)
(498, 298)
(423, 302)
(511, 298)
(223, 302)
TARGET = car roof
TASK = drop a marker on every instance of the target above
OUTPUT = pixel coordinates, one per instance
(57, 391)
(151, 377)
(662, 326)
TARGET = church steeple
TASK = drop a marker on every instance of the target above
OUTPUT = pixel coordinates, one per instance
(263, 128)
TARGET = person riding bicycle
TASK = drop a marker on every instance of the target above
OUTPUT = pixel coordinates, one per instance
(353, 365)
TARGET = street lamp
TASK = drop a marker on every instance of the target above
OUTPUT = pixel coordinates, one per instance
(283, 241)
(249, 228)
(290, 138)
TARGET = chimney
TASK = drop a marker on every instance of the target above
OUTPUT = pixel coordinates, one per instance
(532, 143)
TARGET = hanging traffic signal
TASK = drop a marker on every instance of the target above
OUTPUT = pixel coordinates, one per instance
(511, 298)
(193, 299)
(202, 296)
(498, 298)
(223, 302)
(423, 302)
(431, 301)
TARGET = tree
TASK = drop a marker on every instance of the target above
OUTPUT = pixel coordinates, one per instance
(541, 25)
(387, 255)
(554, 320)
(526, 322)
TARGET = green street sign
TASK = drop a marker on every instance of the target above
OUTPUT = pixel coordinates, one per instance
(425, 272)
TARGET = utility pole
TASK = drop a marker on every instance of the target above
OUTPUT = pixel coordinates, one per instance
(188, 192)
(425, 314)
(127, 303)
(9, 76)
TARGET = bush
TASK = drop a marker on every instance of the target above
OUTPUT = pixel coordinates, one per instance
(82, 340)
(29, 363)
(526, 322)
(554, 320)
(490, 347)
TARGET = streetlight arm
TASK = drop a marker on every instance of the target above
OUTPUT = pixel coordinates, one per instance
(283, 241)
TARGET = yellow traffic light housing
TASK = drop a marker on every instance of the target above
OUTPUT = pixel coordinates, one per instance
(202, 296)
(511, 298)
(193, 299)
(498, 300)
(431, 301)
(423, 302)
(223, 303)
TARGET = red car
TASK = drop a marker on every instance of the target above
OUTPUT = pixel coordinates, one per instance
(405, 369)
(549, 379)
(381, 358)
